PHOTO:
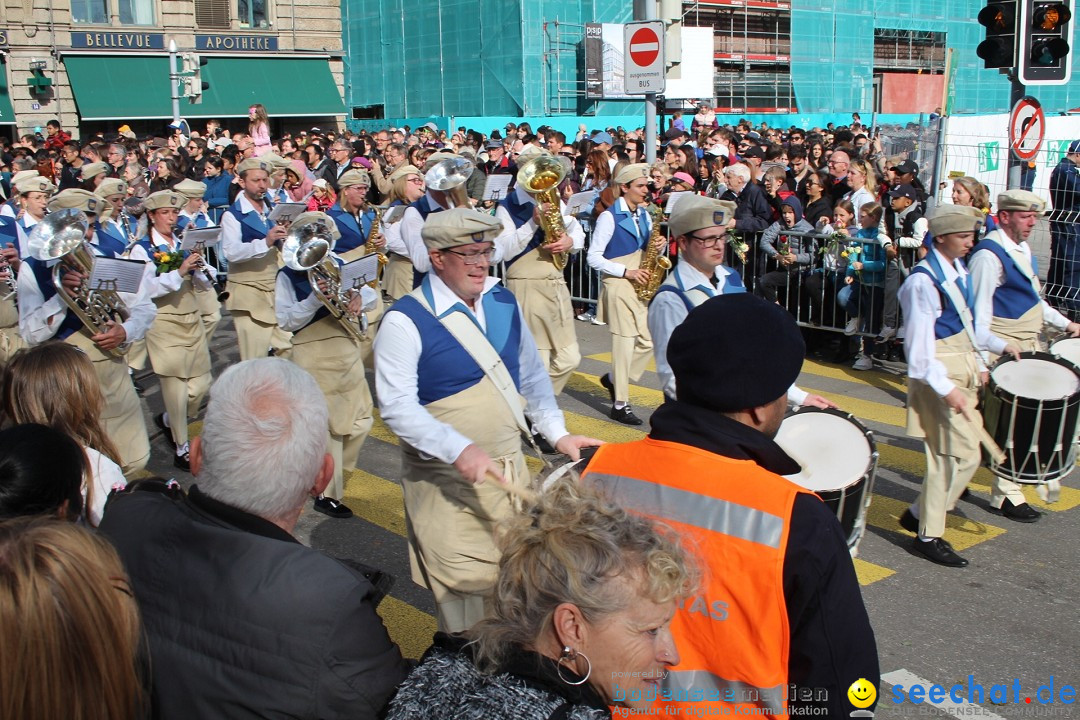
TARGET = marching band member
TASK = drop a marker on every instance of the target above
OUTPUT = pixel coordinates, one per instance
(353, 218)
(1009, 308)
(699, 226)
(44, 316)
(432, 201)
(618, 244)
(194, 214)
(10, 340)
(407, 186)
(538, 285)
(277, 193)
(176, 342)
(944, 374)
(34, 192)
(455, 344)
(11, 208)
(111, 222)
(333, 355)
(249, 243)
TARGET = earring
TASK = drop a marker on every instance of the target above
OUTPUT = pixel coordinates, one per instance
(568, 654)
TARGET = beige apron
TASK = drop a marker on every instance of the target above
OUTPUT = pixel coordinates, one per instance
(1023, 331)
(332, 356)
(122, 416)
(209, 306)
(544, 299)
(10, 339)
(397, 277)
(623, 312)
(451, 522)
(929, 417)
(176, 342)
(251, 287)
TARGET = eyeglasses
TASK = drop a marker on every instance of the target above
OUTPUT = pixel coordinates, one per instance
(474, 258)
(416, 181)
(710, 242)
(837, 163)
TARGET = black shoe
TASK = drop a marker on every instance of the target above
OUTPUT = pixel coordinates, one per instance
(542, 444)
(1020, 513)
(166, 431)
(332, 508)
(183, 462)
(939, 550)
(605, 381)
(966, 494)
(909, 522)
(625, 415)
(139, 389)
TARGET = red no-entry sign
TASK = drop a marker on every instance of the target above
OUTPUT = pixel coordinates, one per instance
(643, 57)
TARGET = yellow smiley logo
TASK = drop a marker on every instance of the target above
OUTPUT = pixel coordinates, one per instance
(862, 694)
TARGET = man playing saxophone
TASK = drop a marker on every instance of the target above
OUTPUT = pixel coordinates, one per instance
(44, 316)
(331, 353)
(620, 240)
(532, 276)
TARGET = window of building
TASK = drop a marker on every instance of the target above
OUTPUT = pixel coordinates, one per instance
(90, 11)
(252, 13)
(212, 14)
(907, 50)
(136, 12)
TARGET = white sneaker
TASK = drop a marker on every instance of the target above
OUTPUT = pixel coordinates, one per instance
(852, 326)
(597, 321)
(586, 317)
(887, 333)
(863, 362)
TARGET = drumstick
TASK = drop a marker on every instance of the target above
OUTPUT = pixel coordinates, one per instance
(525, 494)
(996, 453)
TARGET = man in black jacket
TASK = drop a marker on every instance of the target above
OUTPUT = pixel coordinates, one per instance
(242, 620)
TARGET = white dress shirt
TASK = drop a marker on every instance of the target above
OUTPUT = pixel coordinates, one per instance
(987, 275)
(170, 282)
(232, 244)
(397, 353)
(23, 226)
(39, 319)
(391, 232)
(667, 311)
(293, 315)
(514, 240)
(921, 304)
(602, 232)
(105, 474)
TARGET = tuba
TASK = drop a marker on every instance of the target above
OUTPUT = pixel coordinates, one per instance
(656, 262)
(449, 176)
(307, 248)
(540, 177)
(369, 245)
(62, 236)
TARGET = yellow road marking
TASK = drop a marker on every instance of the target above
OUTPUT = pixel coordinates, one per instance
(606, 358)
(639, 396)
(410, 628)
(376, 500)
(961, 532)
(874, 378)
(868, 572)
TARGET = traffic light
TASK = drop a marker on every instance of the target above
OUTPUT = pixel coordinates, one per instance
(1046, 37)
(191, 68)
(998, 50)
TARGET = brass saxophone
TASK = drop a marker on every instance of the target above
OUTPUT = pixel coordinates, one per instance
(369, 245)
(654, 260)
(540, 177)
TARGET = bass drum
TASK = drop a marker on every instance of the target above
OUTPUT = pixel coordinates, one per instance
(1031, 407)
(839, 461)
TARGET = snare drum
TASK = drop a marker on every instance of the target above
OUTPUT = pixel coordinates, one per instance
(839, 461)
(1031, 407)
(1069, 348)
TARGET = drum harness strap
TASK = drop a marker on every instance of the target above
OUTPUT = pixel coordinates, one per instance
(960, 297)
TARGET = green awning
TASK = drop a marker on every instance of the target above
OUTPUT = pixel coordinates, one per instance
(109, 87)
(7, 114)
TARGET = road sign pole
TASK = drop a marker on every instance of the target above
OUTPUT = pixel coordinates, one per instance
(647, 10)
(1016, 93)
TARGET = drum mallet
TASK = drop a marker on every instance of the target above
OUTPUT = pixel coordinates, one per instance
(996, 453)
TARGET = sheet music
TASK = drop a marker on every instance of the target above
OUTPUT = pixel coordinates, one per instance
(359, 272)
(200, 236)
(674, 198)
(580, 202)
(286, 212)
(118, 274)
(497, 187)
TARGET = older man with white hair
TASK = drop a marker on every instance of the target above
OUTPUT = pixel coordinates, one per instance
(241, 619)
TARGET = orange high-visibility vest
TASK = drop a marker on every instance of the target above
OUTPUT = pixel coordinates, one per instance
(733, 635)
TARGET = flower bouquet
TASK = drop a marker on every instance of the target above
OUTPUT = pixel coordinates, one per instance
(737, 244)
(168, 261)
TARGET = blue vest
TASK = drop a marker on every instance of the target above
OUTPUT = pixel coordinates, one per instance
(107, 236)
(353, 235)
(43, 273)
(1016, 296)
(9, 234)
(732, 284)
(302, 287)
(201, 221)
(949, 323)
(445, 368)
(521, 213)
(252, 227)
(626, 239)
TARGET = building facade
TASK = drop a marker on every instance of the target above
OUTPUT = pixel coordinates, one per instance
(98, 64)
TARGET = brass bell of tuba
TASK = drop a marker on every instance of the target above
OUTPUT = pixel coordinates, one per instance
(307, 249)
(62, 236)
(540, 177)
(449, 176)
